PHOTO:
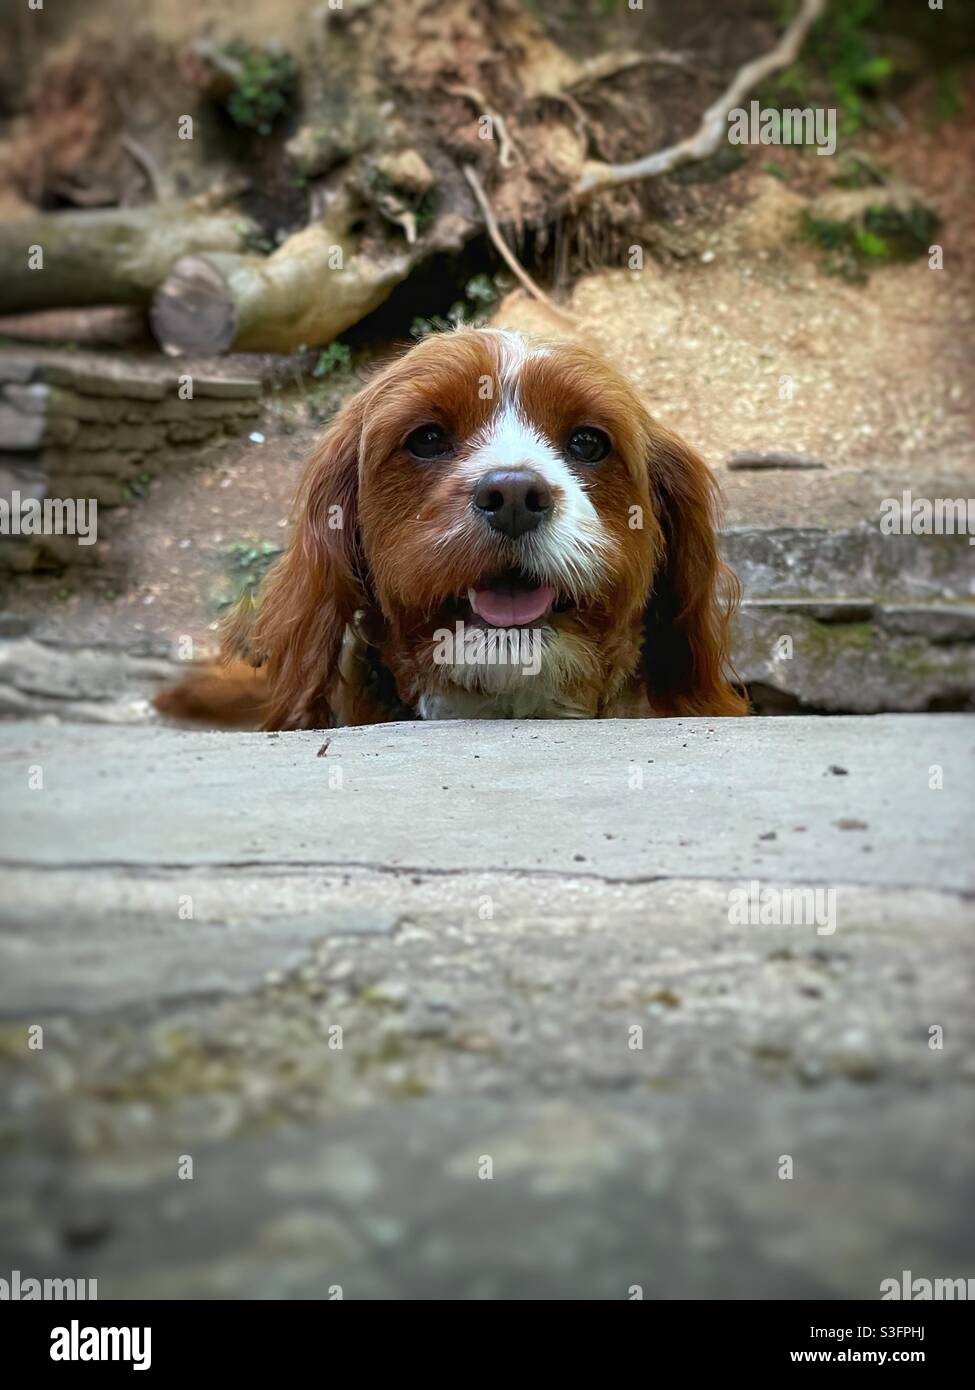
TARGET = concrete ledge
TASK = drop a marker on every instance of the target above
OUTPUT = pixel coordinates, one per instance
(526, 956)
(621, 799)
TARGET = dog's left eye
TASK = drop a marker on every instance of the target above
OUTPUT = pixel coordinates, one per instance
(588, 445)
(428, 442)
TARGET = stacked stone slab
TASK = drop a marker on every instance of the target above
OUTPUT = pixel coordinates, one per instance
(99, 433)
(852, 621)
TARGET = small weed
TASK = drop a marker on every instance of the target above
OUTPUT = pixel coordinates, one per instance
(248, 563)
(334, 360)
(481, 293)
(881, 234)
(264, 82)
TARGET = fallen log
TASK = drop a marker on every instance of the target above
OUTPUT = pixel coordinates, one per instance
(107, 256)
(108, 325)
(313, 287)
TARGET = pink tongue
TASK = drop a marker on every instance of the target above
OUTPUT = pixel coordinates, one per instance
(505, 608)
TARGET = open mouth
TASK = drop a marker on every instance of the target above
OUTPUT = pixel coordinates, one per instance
(512, 599)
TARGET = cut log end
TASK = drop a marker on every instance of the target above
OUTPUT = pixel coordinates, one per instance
(193, 310)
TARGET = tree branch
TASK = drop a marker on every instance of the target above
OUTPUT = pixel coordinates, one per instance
(714, 124)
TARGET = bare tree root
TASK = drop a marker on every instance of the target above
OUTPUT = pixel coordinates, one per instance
(712, 131)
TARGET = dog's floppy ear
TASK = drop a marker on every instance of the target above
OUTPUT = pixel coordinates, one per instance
(694, 595)
(296, 628)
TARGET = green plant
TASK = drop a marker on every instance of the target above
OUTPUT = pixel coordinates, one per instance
(426, 210)
(870, 244)
(481, 289)
(481, 293)
(264, 82)
(333, 360)
(840, 61)
(247, 562)
(881, 234)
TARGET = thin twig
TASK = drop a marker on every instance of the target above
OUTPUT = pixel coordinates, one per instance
(504, 251)
(508, 151)
(146, 163)
(714, 123)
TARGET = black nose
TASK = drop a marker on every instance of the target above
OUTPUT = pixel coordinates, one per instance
(514, 500)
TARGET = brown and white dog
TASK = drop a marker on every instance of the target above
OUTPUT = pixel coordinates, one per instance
(491, 528)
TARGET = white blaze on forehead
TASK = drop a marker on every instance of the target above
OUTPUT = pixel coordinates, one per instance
(514, 350)
(572, 544)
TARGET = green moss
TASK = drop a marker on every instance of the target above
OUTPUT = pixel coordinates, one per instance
(869, 244)
(830, 640)
(918, 659)
(190, 1069)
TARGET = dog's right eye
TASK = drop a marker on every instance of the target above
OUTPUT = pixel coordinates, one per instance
(428, 442)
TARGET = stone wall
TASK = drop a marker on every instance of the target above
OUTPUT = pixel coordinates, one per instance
(100, 433)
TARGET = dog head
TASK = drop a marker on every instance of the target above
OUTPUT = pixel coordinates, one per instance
(485, 486)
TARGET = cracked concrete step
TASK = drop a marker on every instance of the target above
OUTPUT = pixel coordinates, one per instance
(487, 1004)
(620, 799)
(86, 941)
